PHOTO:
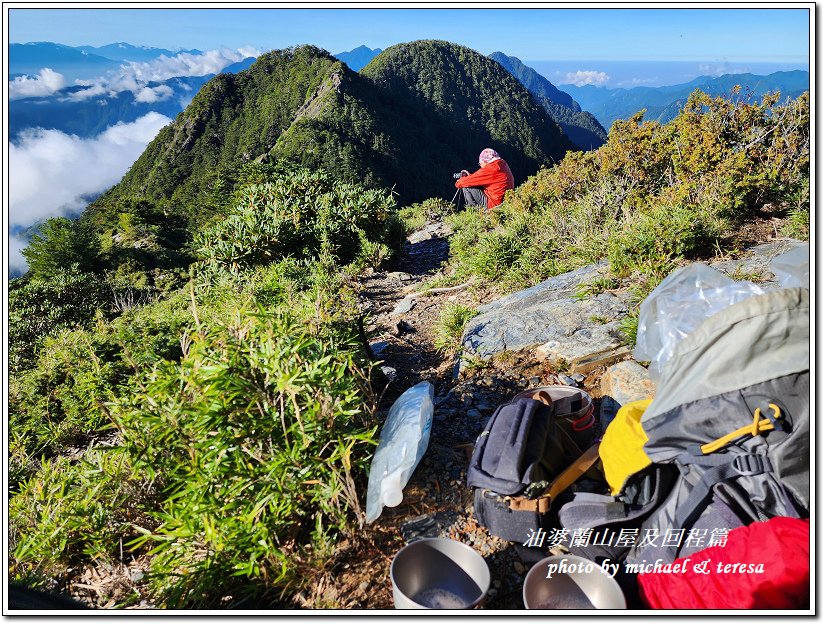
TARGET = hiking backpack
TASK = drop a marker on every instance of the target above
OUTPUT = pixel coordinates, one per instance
(725, 442)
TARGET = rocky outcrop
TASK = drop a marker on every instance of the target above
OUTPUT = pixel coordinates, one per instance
(581, 333)
(623, 383)
(754, 265)
(578, 332)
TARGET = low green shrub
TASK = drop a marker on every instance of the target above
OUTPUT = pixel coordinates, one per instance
(298, 215)
(40, 307)
(256, 440)
(596, 286)
(58, 400)
(649, 199)
(416, 216)
(450, 326)
(797, 224)
(72, 512)
(57, 403)
(413, 217)
(628, 326)
(656, 239)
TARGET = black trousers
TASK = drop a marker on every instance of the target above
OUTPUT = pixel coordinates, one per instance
(474, 196)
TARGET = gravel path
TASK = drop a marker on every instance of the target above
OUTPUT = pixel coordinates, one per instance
(437, 501)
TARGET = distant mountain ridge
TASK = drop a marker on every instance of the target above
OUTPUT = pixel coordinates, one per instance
(358, 58)
(663, 103)
(121, 51)
(415, 114)
(73, 63)
(581, 127)
(80, 62)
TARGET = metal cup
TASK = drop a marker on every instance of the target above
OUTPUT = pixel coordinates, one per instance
(585, 587)
(438, 573)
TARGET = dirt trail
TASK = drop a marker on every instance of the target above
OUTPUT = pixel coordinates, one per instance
(437, 501)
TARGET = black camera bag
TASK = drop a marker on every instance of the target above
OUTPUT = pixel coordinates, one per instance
(527, 454)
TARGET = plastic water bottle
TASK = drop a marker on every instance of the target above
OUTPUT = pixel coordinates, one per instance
(403, 441)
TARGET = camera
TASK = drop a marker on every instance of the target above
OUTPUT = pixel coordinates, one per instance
(457, 176)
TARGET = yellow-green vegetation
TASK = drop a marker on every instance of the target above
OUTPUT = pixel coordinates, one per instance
(257, 436)
(652, 197)
(416, 216)
(300, 215)
(225, 429)
(450, 326)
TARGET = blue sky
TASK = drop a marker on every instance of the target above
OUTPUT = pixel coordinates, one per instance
(668, 34)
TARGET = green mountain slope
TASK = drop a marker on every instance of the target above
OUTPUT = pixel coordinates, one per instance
(414, 115)
(580, 126)
(476, 98)
(233, 119)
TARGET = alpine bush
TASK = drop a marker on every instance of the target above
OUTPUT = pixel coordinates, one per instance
(255, 441)
(652, 197)
(39, 307)
(298, 215)
(72, 512)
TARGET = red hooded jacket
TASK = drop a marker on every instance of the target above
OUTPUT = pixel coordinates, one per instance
(495, 179)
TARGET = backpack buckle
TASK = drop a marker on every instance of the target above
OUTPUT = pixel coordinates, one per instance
(749, 464)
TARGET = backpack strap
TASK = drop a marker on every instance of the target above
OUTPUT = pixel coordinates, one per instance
(720, 468)
(758, 426)
(573, 472)
(559, 484)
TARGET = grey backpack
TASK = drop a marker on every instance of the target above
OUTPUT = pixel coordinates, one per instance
(728, 435)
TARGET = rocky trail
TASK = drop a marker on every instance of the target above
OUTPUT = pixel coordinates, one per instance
(577, 345)
(436, 501)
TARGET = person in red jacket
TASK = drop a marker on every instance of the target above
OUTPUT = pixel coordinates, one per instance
(486, 187)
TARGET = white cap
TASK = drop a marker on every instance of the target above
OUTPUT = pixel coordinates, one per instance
(391, 489)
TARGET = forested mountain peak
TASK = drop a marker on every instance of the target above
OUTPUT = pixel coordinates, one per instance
(233, 119)
(458, 82)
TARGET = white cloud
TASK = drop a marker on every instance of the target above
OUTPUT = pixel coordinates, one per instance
(17, 263)
(586, 77)
(51, 172)
(45, 83)
(186, 64)
(720, 69)
(638, 82)
(151, 95)
(134, 76)
(92, 91)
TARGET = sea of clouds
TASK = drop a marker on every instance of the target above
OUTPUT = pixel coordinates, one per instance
(132, 76)
(54, 174)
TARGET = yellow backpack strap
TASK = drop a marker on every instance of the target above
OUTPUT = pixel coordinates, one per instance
(759, 425)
